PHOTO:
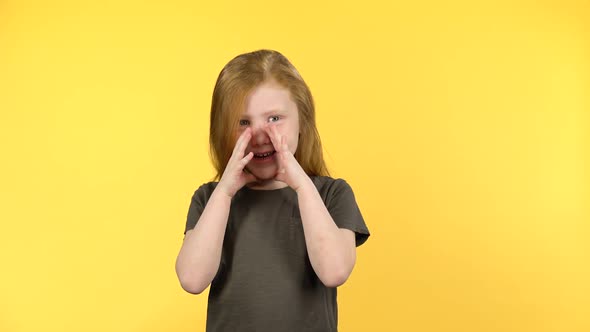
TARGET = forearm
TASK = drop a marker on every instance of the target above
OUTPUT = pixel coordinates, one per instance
(200, 254)
(330, 253)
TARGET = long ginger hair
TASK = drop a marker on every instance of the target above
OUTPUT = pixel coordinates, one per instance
(236, 80)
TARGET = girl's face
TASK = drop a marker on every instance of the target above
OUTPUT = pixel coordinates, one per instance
(269, 104)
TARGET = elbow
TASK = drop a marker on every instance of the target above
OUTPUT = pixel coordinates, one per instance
(337, 271)
(192, 287)
(335, 277)
(190, 281)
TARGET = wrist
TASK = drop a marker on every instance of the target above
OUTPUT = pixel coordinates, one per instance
(306, 186)
(219, 193)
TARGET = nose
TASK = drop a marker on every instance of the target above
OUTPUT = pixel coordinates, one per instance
(259, 135)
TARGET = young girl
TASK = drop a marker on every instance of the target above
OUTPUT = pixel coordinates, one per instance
(276, 235)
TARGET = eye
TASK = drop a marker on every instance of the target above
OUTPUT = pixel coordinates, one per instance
(274, 118)
(244, 122)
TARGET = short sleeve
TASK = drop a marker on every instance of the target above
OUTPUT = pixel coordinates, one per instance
(197, 204)
(341, 204)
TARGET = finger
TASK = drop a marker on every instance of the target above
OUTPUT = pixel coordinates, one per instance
(244, 139)
(282, 161)
(244, 161)
(240, 165)
(245, 142)
(284, 143)
(241, 143)
(281, 139)
(271, 131)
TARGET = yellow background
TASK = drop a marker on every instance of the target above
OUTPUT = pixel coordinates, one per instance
(463, 127)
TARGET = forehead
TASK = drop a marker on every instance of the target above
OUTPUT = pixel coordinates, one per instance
(269, 97)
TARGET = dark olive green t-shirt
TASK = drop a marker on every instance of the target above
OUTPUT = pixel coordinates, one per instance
(265, 280)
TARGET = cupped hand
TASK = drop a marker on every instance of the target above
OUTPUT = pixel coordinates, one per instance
(289, 170)
(235, 177)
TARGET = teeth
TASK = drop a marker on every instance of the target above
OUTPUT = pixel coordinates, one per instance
(262, 155)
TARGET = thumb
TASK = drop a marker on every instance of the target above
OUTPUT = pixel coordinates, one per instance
(249, 177)
(280, 176)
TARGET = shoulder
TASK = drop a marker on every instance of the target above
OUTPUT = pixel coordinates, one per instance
(204, 191)
(341, 203)
(207, 187)
(332, 189)
(329, 185)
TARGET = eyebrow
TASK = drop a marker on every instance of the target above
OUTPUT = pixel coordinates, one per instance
(267, 113)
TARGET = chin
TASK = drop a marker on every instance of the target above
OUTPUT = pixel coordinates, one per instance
(264, 175)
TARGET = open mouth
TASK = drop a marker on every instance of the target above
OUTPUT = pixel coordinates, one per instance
(264, 156)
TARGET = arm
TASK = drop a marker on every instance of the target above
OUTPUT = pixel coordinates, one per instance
(200, 254)
(331, 250)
